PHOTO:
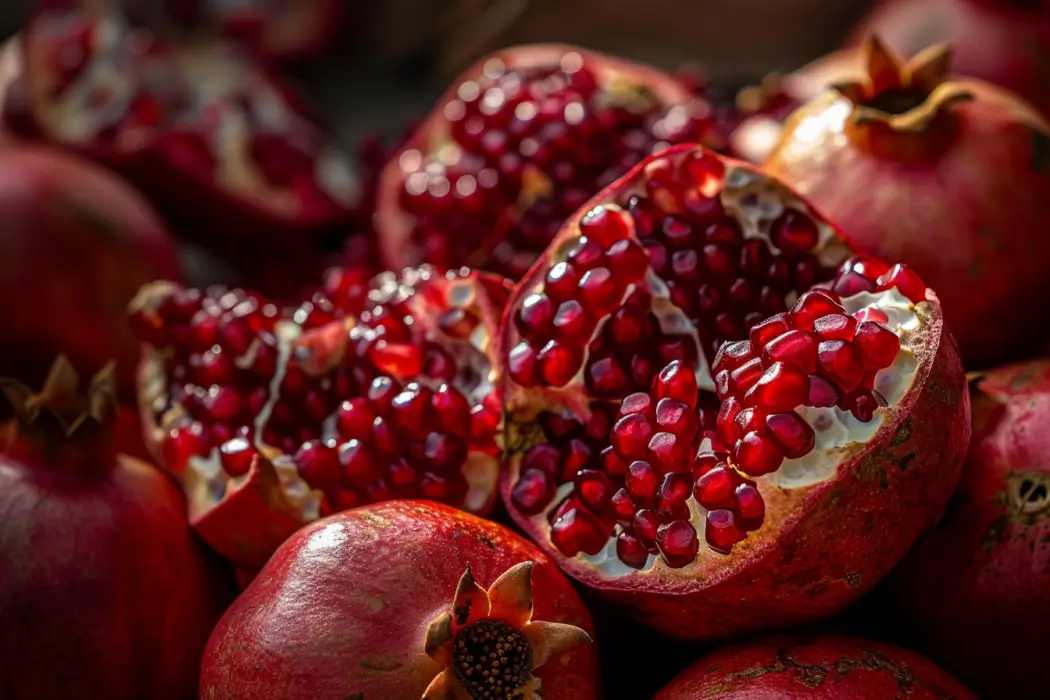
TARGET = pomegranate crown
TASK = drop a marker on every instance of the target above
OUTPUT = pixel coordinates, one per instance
(904, 95)
(61, 398)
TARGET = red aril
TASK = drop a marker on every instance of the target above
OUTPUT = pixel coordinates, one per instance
(519, 142)
(947, 175)
(813, 667)
(106, 591)
(76, 243)
(363, 393)
(746, 432)
(215, 141)
(989, 556)
(404, 599)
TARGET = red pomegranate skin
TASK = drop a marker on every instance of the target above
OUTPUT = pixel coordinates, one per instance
(977, 238)
(341, 610)
(990, 557)
(76, 244)
(813, 667)
(106, 593)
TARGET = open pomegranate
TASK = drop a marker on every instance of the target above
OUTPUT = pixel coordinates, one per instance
(76, 243)
(106, 592)
(215, 141)
(720, 493)
(813, 667)
(945, 174)
(1005, 42)
(990, 557)
(275, 417)
(404, 599)
(516, 145)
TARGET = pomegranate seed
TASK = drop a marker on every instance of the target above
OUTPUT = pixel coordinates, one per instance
(236, 456)
(637, 402)
(667, 452)
(749, 504)
(586, 254)
(544, 457)
(811, 306)
(577, 456)
(578, 530)
(745, 376)
(612, 464)
(604, 225)
(445, 452)
(771, 328)
(715, 488)
(594, 488)
(630, 436)
(672, 494)
(877, 345)
(794, 232)
(381, 394)
(756, 454)
(726, 426)
(533, 492)
(797, 348)
(534, 318)
(627, 260)
(792, 432)
(641, 481)
(223, 404)
(838, 361)
(557, 363)
(572, 324)
(676, 381)
(451, 409)
(721, 531)
(560, 284)
(822, 393)
(606, 378)
(862, 404)
(357, 463)
(400, 474)
(873, 314)
(521, 364)
(678, 543)
(645, 526)
(402, 359)
(835, 327)
(781, 388)
(732, 355)
(631, 551)
(182, 444)
(855, 276)
(676, 417)
(623, 505)
(318, 465)
(410, 409)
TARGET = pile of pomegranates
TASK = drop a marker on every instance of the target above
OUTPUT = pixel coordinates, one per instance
(723, 375)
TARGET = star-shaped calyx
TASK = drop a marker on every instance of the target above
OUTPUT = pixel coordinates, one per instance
(488, 644)
(906, 96)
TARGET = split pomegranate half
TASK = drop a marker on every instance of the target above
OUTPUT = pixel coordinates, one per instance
(209, 135)
(519, 142)
(710, 404)
(275, 417)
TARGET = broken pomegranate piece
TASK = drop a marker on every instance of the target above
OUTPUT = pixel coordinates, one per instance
(518, 143)
(273, 417)
(212, 138)
(698, 377)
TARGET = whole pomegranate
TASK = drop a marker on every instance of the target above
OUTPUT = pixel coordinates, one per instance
(78, 243)
(218, 143)
(274, 417)
(813, 667)
(404, 599)
(106, 593)
(717, 493)
(1004, 42)
(990, 557)
(947, 175)
(516, 145)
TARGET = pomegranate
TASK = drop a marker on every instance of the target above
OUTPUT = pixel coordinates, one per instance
(715, 494)
(275, 417)
(1004, 42)
(79, 243)
(814, 667)
(106, 592)
(989, 557)
(516, 145)
(947, 175)
(219, 144)
(404, 599)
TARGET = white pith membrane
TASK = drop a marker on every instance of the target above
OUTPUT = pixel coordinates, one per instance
(755, 201)
(206, 482)
(201, 86)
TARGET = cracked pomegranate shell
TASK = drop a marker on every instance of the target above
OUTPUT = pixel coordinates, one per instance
(390, 601)
(275, 416)
(990, 555)
(948, 175)
(814, 667)
(216, 141)
(518, 143)
(712, 408)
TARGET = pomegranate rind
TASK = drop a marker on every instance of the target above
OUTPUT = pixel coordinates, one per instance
(354, 580)
(812, 555)
(989, 556)
(815, 667)
(394, 227)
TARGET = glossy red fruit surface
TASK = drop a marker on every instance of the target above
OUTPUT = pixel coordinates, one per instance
(76, 243)
(813, 667)
(990, 555)
(948, 175)
(342, 608)
(684, 442)
(519, 142)
(106, 591)
(276, 416)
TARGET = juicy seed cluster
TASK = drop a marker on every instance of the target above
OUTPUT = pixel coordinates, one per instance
(512, 123)
(394, 416)
(491, 660)
(813, 355)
